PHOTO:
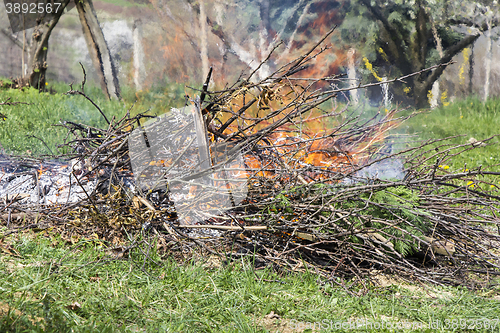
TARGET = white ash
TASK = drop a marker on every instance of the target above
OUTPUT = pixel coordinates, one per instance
(52, 184)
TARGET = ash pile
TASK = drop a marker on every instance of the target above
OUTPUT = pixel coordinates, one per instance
(29, 181)
(271, 170)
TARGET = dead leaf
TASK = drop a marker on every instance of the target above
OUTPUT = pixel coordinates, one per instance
(272, 315)
(116, 241)
(442, 247)
(74, 306)
(476, 143)
(136, 203)
(117, 252)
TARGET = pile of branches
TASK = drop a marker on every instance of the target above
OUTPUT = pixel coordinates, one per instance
(272, 169)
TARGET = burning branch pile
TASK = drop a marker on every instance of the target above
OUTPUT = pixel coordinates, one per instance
(273, 168)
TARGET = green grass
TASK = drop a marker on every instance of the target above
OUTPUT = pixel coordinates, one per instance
(471, 118)
(44, 110)
(44, 277)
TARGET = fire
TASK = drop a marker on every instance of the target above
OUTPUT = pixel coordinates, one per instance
(310, 146)
(290, 153)
(41, 170)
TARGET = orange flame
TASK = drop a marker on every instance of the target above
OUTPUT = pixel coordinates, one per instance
(309, 145)
(41, 170)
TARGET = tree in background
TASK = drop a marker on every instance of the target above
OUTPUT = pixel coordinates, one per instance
(234, 36)
(490, 13)
(403, 37)
(37, 48)
(98, 49)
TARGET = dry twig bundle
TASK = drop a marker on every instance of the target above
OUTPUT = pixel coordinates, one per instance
(273, 169)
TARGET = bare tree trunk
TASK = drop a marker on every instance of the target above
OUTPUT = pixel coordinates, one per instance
(250, 57)
(285, 53)
(419, 56)
(203, 39)
(435, 91)
(487, 62)
(98, 48)
(39, 49)
(351, 75)
(414, 61)
(471, 70)
(23, 67)
(139, 70)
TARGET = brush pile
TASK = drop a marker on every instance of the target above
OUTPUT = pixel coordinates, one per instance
(272, 168)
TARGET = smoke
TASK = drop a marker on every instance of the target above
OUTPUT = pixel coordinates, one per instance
(388, 169)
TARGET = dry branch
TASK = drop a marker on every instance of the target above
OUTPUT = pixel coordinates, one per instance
(300, 183)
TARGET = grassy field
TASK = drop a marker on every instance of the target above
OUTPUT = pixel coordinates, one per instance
(51, 284)
(470, 118)
(22, 123)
